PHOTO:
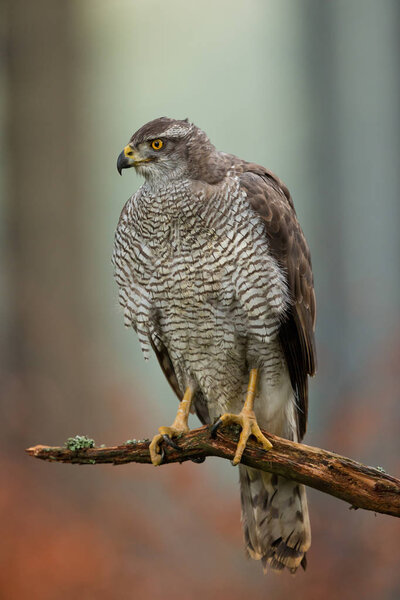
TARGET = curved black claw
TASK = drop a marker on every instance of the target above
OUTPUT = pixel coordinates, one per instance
(170, 442)
(198, 459)
(162, 453)
(214, 428)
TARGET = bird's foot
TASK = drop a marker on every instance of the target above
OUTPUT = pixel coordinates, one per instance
(167, 435)
(248, 422)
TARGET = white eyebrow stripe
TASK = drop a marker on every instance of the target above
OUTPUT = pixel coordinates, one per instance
(176, 130)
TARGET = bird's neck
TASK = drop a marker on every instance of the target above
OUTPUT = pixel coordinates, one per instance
(206, 164)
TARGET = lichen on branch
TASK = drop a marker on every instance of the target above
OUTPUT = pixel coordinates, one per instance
(79, 442)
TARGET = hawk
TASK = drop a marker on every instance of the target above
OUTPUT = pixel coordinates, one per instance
(214, 275)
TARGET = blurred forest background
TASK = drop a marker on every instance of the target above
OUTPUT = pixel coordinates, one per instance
(308, 88)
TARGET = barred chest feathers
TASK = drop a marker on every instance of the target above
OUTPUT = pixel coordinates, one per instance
(193, 268)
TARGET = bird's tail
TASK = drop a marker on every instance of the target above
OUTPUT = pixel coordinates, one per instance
(275, 519)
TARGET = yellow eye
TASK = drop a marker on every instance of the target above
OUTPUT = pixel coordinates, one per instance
(156, 144)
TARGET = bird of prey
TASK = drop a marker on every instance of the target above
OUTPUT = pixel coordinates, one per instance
(214, 275)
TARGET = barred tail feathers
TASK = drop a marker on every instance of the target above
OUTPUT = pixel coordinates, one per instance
(275, 519)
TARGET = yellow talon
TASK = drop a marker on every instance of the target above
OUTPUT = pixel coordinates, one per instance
(180, 425)
(154, 449)
(247, 420)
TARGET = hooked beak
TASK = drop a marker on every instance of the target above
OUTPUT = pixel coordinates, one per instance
(129, 158)
(125, 159)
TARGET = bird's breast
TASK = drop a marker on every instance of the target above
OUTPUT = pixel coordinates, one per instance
(190, 275)
(201, 264)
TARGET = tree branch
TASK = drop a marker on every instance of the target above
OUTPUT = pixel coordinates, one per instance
(364, 487)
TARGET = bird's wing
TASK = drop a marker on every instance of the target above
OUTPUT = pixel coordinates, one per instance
(166, 365)
(269, 198)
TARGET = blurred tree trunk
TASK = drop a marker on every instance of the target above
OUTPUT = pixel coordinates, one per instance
(45, 356)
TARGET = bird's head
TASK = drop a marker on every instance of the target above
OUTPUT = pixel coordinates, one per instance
(166, 149)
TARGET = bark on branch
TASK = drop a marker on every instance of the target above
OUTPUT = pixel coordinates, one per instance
(362, 486)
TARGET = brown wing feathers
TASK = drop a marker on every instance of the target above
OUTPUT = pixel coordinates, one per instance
(271, 199)
(166, 365)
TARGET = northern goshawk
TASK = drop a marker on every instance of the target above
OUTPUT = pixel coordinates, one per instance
(214, 275)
